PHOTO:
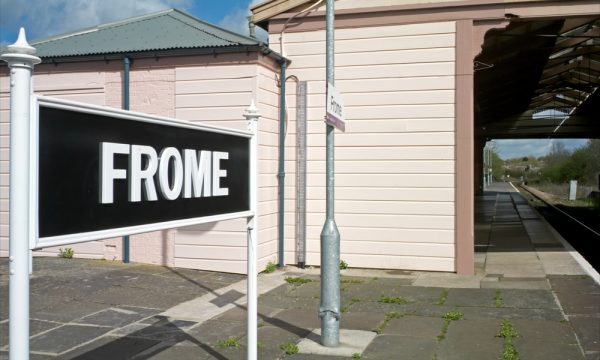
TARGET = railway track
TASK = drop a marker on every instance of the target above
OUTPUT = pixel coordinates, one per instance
(578, 226)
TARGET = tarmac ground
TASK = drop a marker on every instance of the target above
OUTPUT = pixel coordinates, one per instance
(529, 299)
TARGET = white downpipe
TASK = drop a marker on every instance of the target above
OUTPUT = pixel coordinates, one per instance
(21, 59)
(252, 115)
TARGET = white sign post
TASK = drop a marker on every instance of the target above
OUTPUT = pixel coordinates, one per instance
(335, 109)
(21, 59)
(252, 116)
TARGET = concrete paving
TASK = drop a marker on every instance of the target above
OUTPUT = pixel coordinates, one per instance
(525, 279)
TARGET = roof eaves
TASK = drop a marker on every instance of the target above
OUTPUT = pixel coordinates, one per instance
(261, 48)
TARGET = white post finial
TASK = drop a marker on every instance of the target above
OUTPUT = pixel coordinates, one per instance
(251, 111)
(21, 46)
(20, 53)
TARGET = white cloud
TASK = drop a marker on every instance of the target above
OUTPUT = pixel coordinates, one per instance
(236, 21)
(509, 149)
(43, 18)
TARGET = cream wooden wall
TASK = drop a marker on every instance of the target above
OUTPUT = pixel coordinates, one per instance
(199, 89)
(395, 162)
(219, 95)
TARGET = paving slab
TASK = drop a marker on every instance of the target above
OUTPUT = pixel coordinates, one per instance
(478, 312)
(574, 284)
(528, 299)
(67, 311)
(580, 304)
(444, 280)
(548, 351)
(350, 342)
(35, 327)
(383, 308)
(587, 329)
(477, 338)
(415, 326)
(116, 316)
(300, 318)
(360, 320)
(4, 356)
(592, 355)
(515, 283)
(551, 332)
(400, 347)
(517, 270)
(213, 331)
(107, 347)
(471, 297)
(66, 337)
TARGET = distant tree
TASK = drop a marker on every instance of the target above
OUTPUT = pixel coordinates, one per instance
(497, 166)
(593, 161)
(525, 158)
(582, 165)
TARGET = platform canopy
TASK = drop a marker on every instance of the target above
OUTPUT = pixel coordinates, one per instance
(539, 79)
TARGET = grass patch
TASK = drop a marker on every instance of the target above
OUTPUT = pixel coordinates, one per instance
(356, 356)
(452, 315)
(443, 297)
(232, 342)
(448, 318)
(66, 253)
(498, 298)
(271, 267)
(343, 265)
(509, 352)
(350, 303)
(388, 316)
(289, 348)
(393, 300)
(508, 332)
(297, 281)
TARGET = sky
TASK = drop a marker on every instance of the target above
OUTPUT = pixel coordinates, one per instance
(44, 18)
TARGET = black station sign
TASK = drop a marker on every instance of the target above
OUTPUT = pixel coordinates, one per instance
(104, 173)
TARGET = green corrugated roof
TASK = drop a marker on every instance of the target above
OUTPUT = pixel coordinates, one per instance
(165, 30)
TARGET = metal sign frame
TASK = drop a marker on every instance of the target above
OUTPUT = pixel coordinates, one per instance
(38, 242)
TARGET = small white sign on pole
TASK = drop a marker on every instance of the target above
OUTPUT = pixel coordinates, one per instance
(335, 108)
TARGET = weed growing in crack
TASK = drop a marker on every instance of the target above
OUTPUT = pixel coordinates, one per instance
(498, 298)
(443, 297)
(289, 348)
(350, 303)
(393, 300)
(508, 332)
(448, 318)
(388, 316)
(232, 342)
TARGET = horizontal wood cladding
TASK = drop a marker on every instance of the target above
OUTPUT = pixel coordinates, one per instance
(395, 164)
(219, 95)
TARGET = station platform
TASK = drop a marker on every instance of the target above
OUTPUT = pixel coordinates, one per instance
(530, 298)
